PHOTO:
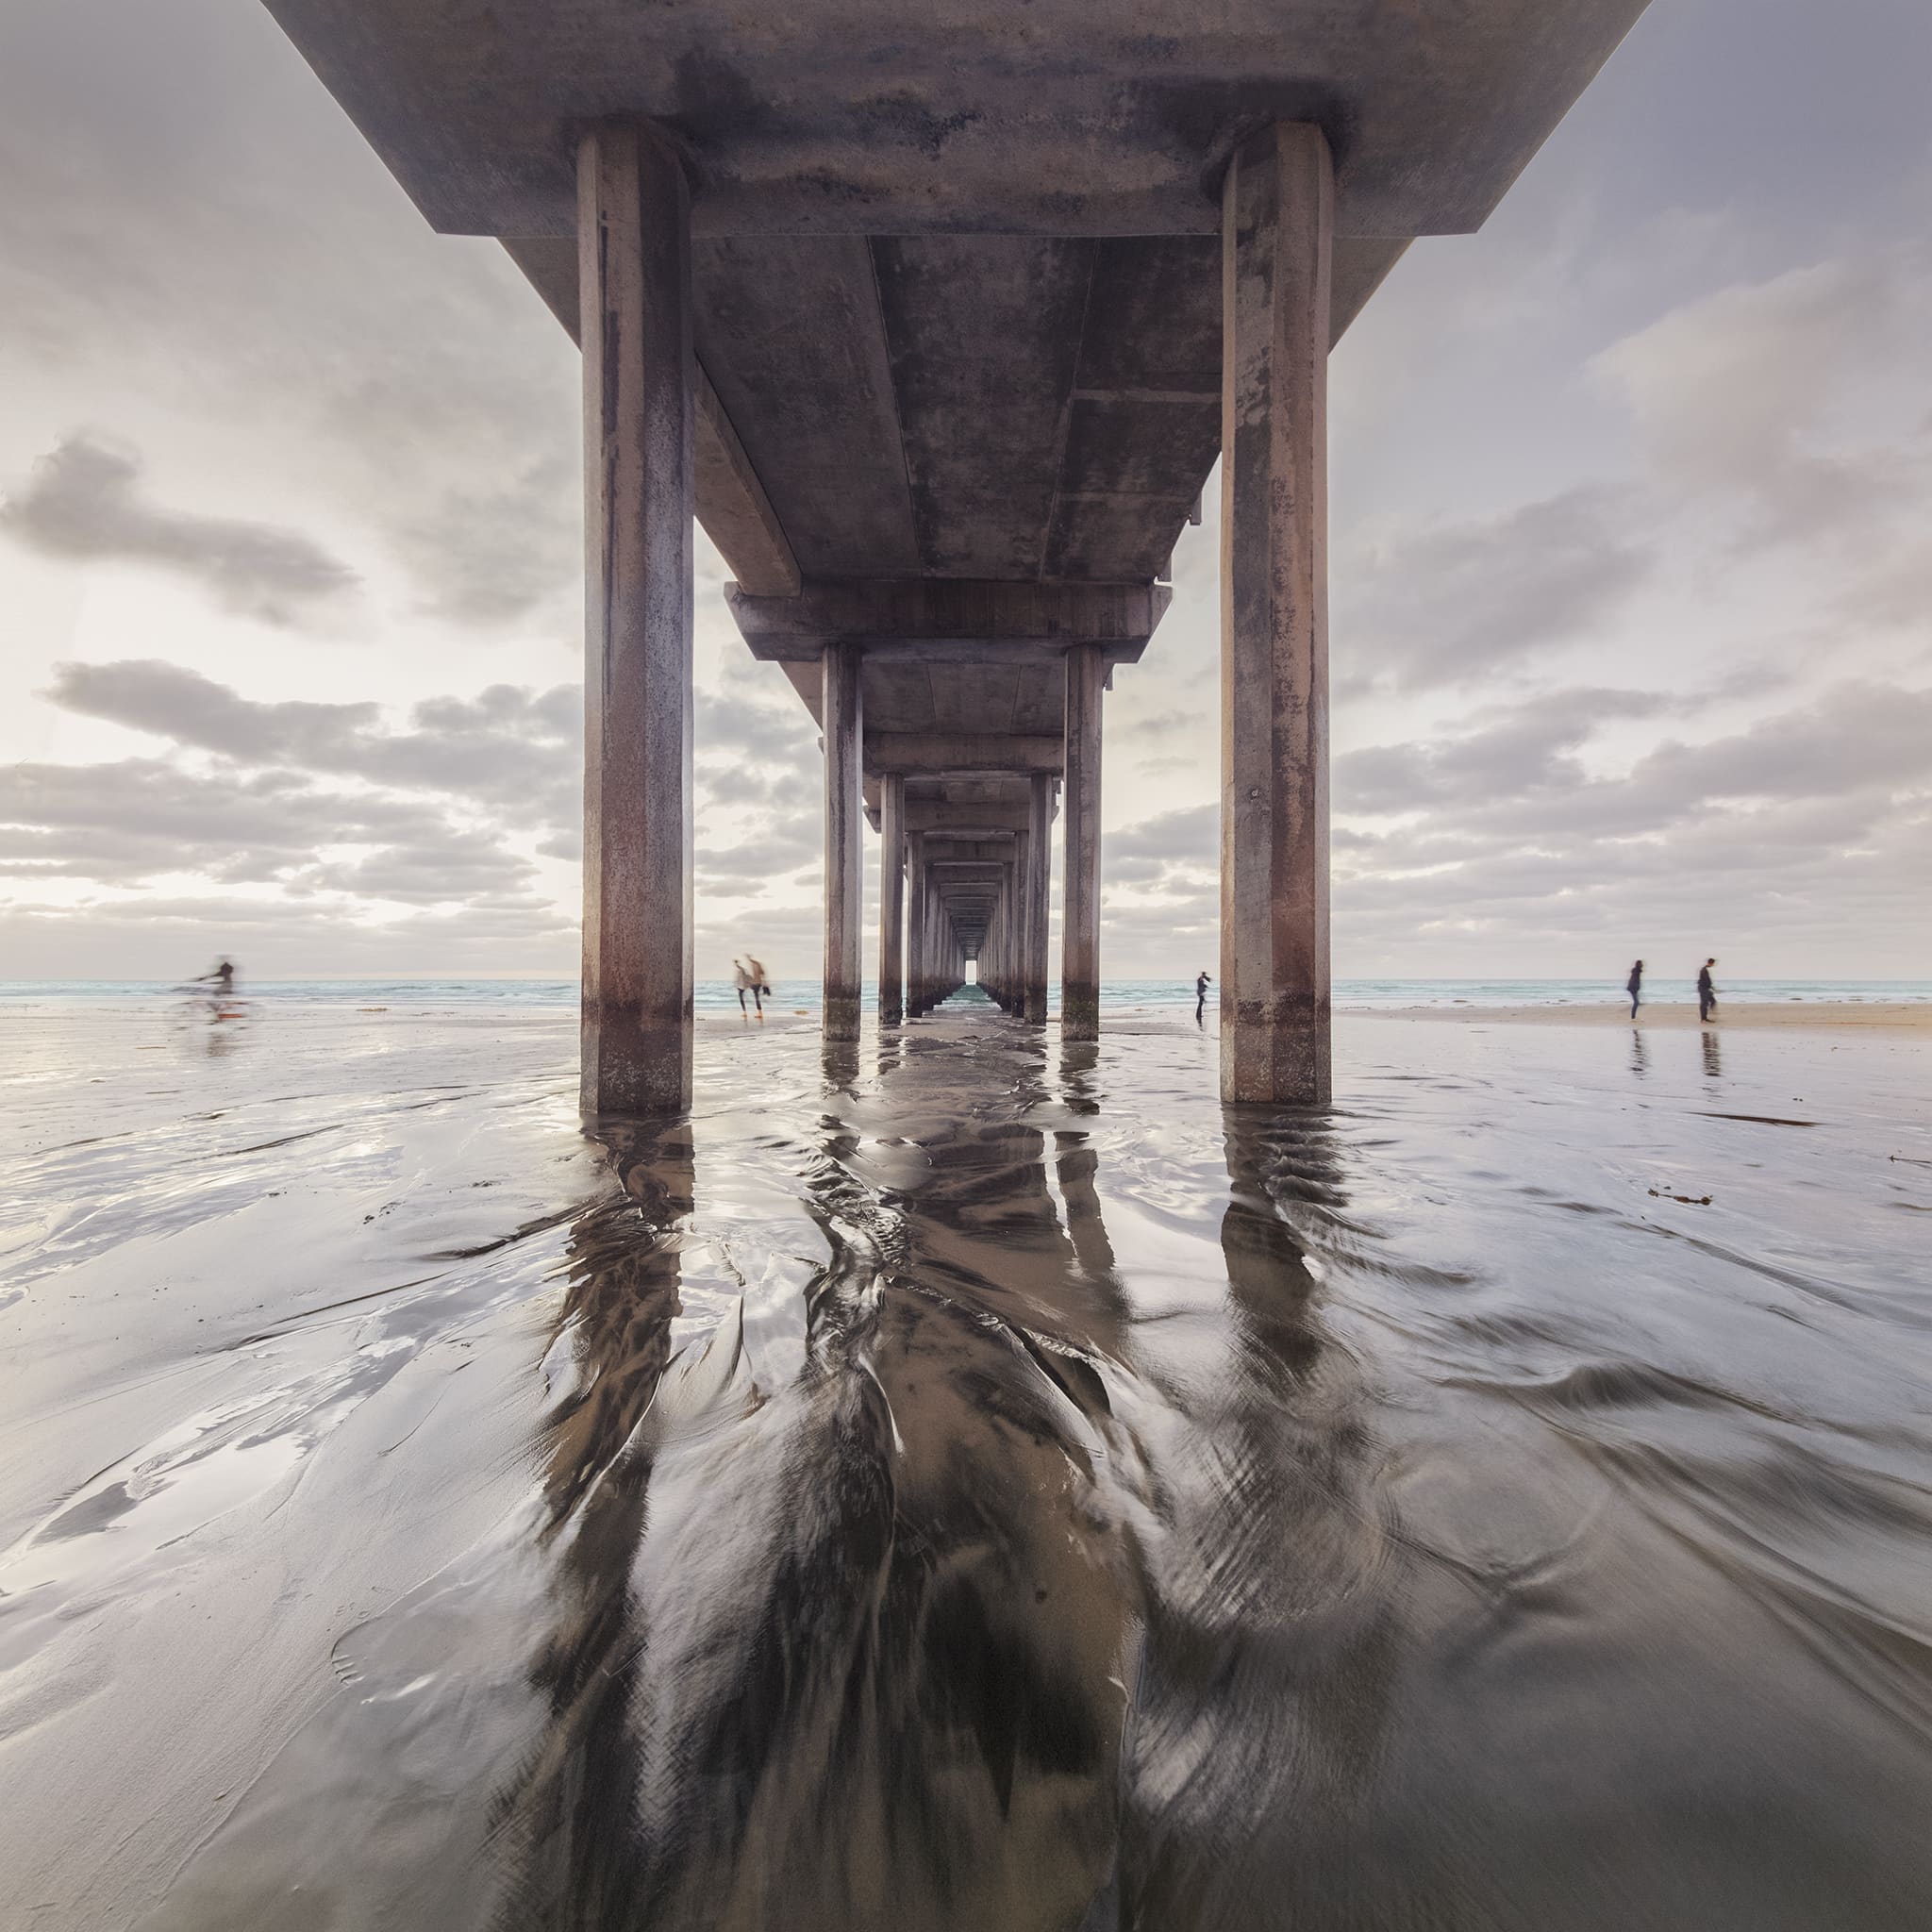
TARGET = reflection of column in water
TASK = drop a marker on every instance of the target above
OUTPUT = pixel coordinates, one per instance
(570, 1817)
(840, 1062)
(859, 1660)
(1079, 1066)
(1268, 1662)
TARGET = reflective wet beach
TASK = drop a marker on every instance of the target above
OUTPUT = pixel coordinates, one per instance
(968, 1483)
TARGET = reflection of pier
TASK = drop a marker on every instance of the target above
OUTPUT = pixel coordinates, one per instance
(924, 1627)
(938, 321)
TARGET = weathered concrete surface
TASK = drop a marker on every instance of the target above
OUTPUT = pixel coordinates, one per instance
(846, 117)
(639, 465)
(1080, 884)
(1275, 985)
(892, 899)
(842, 720)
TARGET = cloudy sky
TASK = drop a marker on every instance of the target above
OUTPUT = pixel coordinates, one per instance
(1631, 543)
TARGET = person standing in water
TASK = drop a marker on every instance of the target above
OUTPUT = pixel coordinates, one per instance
(1635, 987)
(1201, 986)
(1707, 994)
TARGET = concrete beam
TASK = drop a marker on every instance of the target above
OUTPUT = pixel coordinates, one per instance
(921, 615)
(933, 753)
(1278, 227)
(891, 121)
(634, 222)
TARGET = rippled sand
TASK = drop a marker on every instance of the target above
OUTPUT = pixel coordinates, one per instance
(976, 1484)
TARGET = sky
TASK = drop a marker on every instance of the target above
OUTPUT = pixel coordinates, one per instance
(1631, 604)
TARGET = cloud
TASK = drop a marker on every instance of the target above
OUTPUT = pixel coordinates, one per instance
(1191, 836)
(1514, 751)
(1797, 828)
(1442, 604)
(508, 747)
(83, 501)
(1732, 392)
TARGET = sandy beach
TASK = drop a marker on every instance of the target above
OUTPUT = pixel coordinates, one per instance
(964, 1482)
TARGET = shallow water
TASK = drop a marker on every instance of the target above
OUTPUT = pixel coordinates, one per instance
(967, 1482)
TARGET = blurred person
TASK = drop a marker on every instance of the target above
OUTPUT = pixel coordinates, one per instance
(1201, 986)
(748, 977)
(1634, 986)
(1707, 994)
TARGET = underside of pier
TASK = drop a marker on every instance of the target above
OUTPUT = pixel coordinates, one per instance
(939, 320)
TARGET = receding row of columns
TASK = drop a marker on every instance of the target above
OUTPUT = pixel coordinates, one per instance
(944, 902)
(634, 267)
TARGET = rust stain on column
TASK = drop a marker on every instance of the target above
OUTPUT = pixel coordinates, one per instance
(634, 244)
(1276, 250)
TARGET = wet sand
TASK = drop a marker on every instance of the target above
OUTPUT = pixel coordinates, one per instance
(965, 1482)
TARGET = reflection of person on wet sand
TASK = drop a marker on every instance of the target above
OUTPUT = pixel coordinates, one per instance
(748, 975)
(1201, 986)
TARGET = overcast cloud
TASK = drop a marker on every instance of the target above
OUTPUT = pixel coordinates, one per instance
(1632, 601)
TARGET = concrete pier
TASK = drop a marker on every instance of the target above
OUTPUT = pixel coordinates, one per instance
(843, 723)
(1277, 243)
(944, 403)
(1080, 814)
(634, 249)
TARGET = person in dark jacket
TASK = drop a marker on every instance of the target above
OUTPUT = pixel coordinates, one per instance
(1634, 987)
(1200, 998)
(1707, 994)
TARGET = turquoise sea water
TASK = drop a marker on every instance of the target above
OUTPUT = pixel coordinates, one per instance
(716, 995)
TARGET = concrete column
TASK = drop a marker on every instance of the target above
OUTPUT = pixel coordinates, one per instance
(891, 897)
(634, 270)
(1038, 894)
(1023, 918)
(1277, 225)
(842, 722)
(1013, 923)
(1080, 813)
(918, 951)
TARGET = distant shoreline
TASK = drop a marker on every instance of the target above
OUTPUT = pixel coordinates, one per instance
(1870, 1015)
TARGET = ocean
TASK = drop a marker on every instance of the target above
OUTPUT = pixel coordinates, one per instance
(716, 995)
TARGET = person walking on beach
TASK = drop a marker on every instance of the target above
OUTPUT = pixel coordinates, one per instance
(1201, 986)
(1635, 987)
(748, 975)
(1707, 994)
